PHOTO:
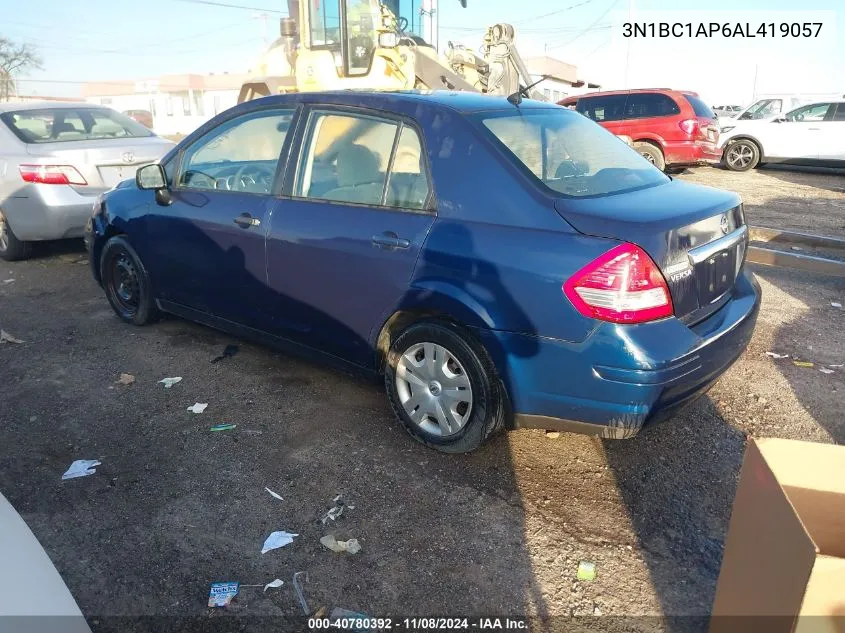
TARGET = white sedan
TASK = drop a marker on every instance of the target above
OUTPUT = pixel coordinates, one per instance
(812, 134)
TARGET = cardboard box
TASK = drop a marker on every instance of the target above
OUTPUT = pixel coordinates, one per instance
(784, 558)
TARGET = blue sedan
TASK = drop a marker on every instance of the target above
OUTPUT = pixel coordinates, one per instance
(501, 264)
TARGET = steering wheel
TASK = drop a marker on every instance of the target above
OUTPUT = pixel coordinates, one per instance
(402, 24)
(242, 180)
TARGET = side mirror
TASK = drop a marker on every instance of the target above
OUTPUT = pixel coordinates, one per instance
(151, 177)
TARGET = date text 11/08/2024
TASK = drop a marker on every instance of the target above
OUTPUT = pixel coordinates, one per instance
(364, 623)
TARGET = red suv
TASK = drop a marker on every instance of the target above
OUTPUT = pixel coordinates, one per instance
(669, 127)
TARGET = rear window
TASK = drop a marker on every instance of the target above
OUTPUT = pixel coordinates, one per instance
(699, 107)
(642, 105)
(603, 108)
(569, 154)
(69, 124)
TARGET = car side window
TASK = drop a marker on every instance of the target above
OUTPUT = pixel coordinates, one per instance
(650, 104)
(604, 108)
(350, 158)
(810, 113)
(408, 185)
(839, 115)
(239, 155)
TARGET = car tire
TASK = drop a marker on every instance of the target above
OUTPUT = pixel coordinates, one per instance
(651, 153)
(441, 367)
(11, 248)
(127, 283)
(741, 155)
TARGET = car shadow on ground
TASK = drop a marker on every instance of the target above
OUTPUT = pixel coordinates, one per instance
(677, 479)
(800, 175)
(817, 337)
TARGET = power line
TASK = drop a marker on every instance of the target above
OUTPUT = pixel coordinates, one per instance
(233, 6)
(545, 15)
(589, 28)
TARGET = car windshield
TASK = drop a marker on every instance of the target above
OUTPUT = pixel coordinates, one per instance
(569, 153)
(71, 124)
(762, 109)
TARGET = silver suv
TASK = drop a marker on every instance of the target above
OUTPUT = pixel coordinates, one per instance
(55, 158)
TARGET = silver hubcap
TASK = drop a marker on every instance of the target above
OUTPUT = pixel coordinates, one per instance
(4, 237)
(740, 155)
(648, 157)
(434, 389)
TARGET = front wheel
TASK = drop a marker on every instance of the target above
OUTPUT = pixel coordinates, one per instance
(126, 282)
(443, 387)
(742, 155)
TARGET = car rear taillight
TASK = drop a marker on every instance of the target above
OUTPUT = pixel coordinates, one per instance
(52, 174)
(689, 126)
(622, 286)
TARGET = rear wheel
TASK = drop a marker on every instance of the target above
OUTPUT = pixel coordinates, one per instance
(651, 153)
(742, 155)
(443, 387)
(126, 282)
(11, 248)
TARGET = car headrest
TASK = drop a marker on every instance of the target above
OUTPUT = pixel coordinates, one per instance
(356, 165)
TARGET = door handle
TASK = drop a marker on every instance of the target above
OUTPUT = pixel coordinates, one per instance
(389, 239)
(245, 220)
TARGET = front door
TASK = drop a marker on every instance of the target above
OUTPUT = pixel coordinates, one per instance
(832, 146)
(208, 244)
(798, 134)
(342, 247)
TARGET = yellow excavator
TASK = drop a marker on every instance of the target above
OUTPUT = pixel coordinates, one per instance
(379, 45)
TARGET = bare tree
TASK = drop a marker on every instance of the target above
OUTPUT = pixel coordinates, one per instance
(15, 59)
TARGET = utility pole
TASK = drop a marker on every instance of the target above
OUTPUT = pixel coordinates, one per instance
(263, 17)
(754, 89)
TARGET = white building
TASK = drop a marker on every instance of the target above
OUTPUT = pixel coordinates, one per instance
(562, 78)
(178, 103)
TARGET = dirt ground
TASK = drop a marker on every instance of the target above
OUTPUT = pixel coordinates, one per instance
(174, 507)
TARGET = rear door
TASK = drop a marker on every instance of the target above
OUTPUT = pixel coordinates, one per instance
(207, 245)
(344, 243)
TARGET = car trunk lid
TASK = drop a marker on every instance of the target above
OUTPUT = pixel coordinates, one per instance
(102, 162)
(696, 235)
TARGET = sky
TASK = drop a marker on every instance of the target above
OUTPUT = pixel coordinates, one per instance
(105, 40)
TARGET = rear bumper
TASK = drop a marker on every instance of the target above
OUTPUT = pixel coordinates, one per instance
(692, 153)
(622, 376)
(48, 212)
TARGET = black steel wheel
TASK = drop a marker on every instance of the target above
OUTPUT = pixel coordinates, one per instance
(126, 282)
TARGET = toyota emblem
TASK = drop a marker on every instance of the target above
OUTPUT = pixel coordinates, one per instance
(128, 158)
(723, 223)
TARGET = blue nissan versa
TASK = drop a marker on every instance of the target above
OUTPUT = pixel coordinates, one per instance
(503, 265)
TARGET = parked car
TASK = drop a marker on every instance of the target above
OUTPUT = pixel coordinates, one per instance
(55, 159)
(144, 117)
(501, 265)
(813, 134)
(670, 128)
(727, 111)
(37, 599)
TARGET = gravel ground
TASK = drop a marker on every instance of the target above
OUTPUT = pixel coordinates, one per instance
(811, 200)
(174, 507)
